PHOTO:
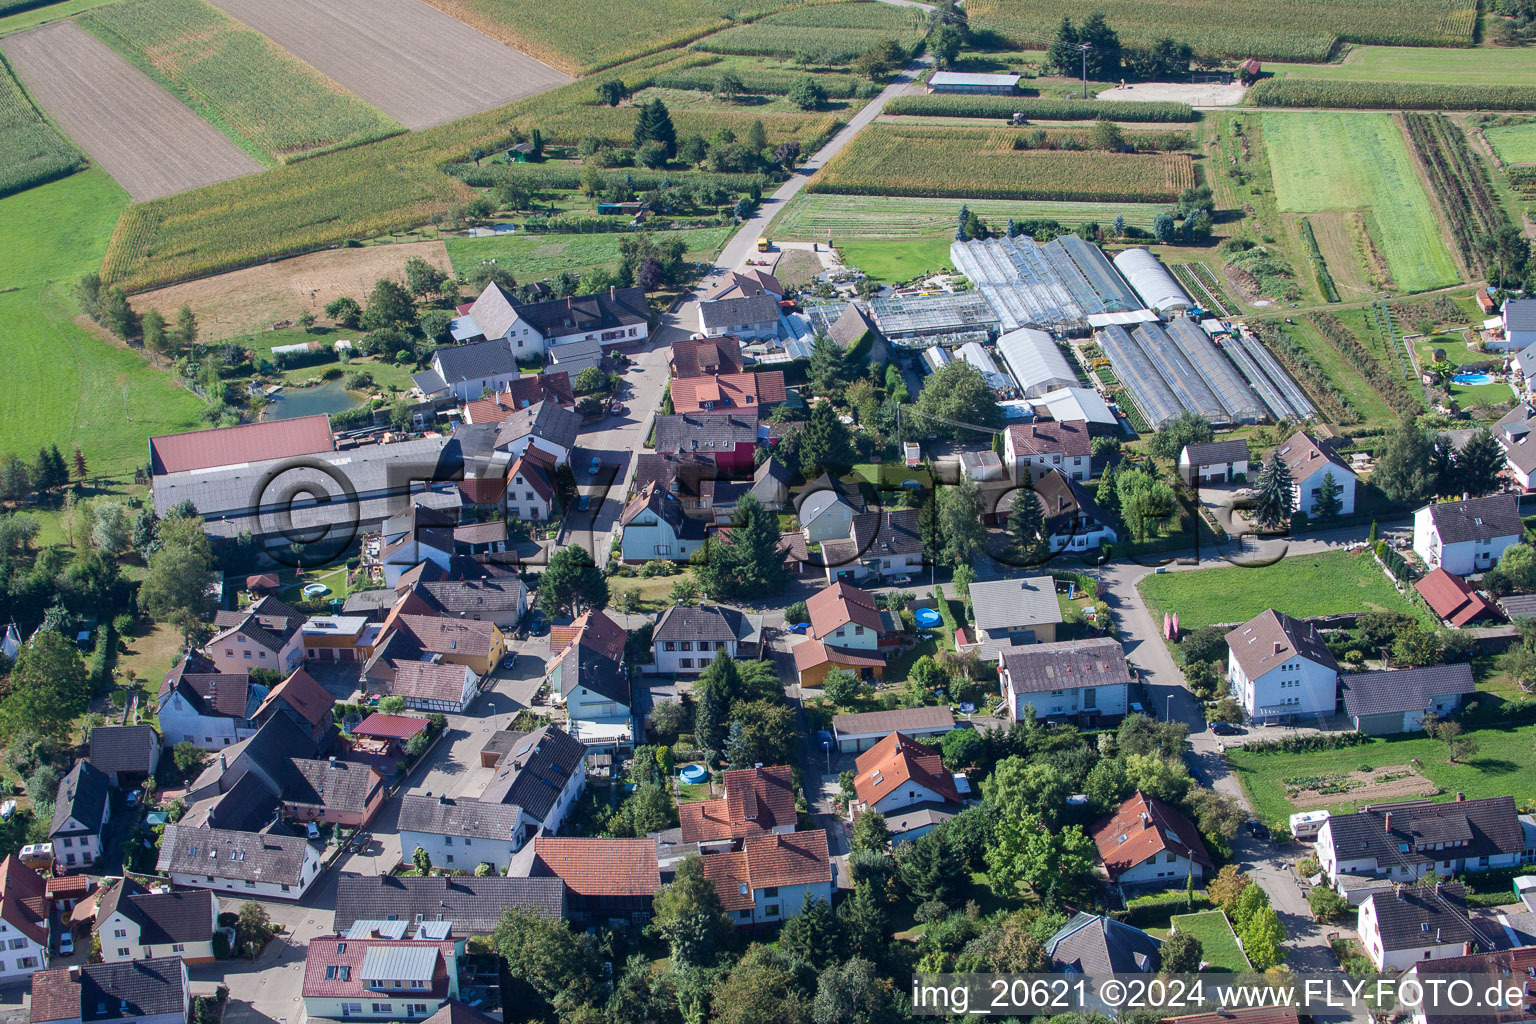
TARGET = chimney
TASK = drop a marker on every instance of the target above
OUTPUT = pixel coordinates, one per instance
(1437, 888)
(1386, 824)
(613, 292)
(1466, 948)
(1460, 797)
(1398, 891)
(1278, 646)
(1437, 930)
(74, 972)
(570, 302)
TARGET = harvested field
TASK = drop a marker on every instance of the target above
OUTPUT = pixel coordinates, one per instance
(148, 141)
(244, 300)
(413, 62)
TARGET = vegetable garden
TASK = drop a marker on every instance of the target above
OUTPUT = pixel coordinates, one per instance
(32, 151)
(909, 161)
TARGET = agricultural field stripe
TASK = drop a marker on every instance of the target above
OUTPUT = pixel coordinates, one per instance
(412, 61)
(139, 133)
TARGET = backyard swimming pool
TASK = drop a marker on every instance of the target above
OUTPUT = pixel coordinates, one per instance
(1472, 378)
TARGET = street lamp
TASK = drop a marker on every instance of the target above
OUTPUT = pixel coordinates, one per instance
(1084, 48)
(1170, 707)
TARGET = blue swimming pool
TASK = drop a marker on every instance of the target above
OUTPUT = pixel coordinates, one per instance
(1472, 378)
(926, 617)
(693, 774)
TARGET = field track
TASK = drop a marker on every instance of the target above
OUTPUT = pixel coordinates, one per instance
(412, 61)
(139, 133)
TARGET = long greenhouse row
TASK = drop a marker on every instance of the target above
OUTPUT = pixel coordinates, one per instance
(1055, 287)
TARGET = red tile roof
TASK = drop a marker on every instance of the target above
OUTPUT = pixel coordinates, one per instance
(897, 760)
(1449, 597)
(302, 693)
(812, 653)
(732, 883)
(755, 801)
(602, 634)
(1143, 827)
(24, 900)
(391, 727)
(1051, 437)
(249, 442)
(795, 858)
(520, 394)
(55, 995)
(839, 605)
(728, 392)
(599, 867)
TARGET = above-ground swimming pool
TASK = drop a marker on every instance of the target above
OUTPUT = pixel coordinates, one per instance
(693, 774)
(926, 617)
(316, 589)
(1472, 378)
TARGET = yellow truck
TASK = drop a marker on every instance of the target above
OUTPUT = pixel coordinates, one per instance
(764, 244)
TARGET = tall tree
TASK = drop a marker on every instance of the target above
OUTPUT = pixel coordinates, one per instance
(180, 577)
(1063, 53)
(824, 443)
(1276, 499)
(389, 305)
(186, 328)
(571, 583)
(962, 537)
(747, 563)
(155, 337)
(957, 403)
(864, 922)
(1408, 470)
(811, 936)
(761, 988)
(560, 965)
(1479, 463)
(1056, 865)
(48, 688)
(827, 371)
(1028, 543)
(687, 915)
(1329, 504)
(655, 125)
(853, 992)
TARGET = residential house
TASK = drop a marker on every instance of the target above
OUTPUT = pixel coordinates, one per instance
(617, 317)
(590, 678)
(751, 317)
(209, 709)
(345, 793)
(1280, 668)
(1469, 536)
(882, 544)
(1519, 962)
(825, 509)
(25, 912)
(730, 440)
(246, 864)
(1086, 680)
(544, 774)
(265, 634)
(419, 534)
(125, 754)
(371, 972)
(1098, 946)
(1513, 432)
(1216, 462)
(770, 484)
(1073, 519)
(847, 632)
(656, 528)
(554, 386)
(127, 992)
(852, 329)
(301, 700)
(465, 372)
(544, 426)
(1310, 464)
(1148, 843)
(899, 778)
(500, 601)
(728, 392)
(701, 487)
(605, 879)
(435, 662)
(461, 833)
(695, 357)
(133, 923)
(1416, 923)
(854, 734)
(1405, 841)
(1396, 700)
(1452, 599)
(1030, 449)
(474, 905)
(81, 808)
(736, 284)
(757, 801)
(530, 491)
(1519, 317)
(1013, 612)
(769, 879)
(339, 638)
(688, 637)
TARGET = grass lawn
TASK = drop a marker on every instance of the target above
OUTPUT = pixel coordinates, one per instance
(34, 16)
(149, 657)
(1502, 765)
(1457, 353)
(1222, 953)
(536, 256)
(1361, 394)
(1350, 161)
(1481, 66)
(652, 593)
(896, 671)
(385, 375)
(691, 792)
(62, 383)
(1301, 585)
(1515, 143)
(896, 261)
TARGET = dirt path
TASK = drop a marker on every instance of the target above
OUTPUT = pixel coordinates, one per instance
(412, 61)
(139, 133)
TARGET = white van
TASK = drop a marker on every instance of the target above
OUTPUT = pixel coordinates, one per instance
(1307, 824)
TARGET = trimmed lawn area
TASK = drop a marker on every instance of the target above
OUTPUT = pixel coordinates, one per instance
(1222, 953)
(1501, 766)
(63, 384)
(1301, 585)
(1361, 394)
(1479, 66)
(539, 255)
(1457, 353)
(889, 260)
(1515, 143)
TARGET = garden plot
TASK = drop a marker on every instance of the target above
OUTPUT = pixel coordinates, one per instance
(147, 140)
(412, 61)
(1390, 782)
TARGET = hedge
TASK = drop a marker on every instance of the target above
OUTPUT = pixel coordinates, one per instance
(768, 83)
(1036, 109)
(1302, 92)
(1154, 909)
(568, 176)
(1305, 744)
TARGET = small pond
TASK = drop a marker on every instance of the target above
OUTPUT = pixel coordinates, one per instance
(325, 398)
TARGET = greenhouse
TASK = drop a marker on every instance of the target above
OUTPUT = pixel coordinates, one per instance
(1054, 287)
(1229, 387)
(1036, 361)
(1180, 376)
(1114, 296)
(1282, 394)
(1148, 389)
(1152, 281)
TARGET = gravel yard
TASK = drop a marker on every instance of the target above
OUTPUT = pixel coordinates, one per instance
(1207, 94)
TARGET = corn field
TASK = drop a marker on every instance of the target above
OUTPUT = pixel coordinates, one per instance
(1035, 109)
(31, 150)
(236, 78)
(1297, 30)
(826, 34)
(1302, 92)
(902, 161)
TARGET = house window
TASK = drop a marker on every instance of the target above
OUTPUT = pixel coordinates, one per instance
(178, 947)
(1171, 858)
(669, 646)
(122, 951)
(351, 1009)
(771, 891)
(119, 933)
(685, 663)
(26, 962)
(17, 944)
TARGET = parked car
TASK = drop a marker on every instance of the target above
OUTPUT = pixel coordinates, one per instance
(798, 627)
(902, 581)
(1137, 709)
(824, 739)
(584, 502)
(1257, 829)
(595, 465)
(67, 943)
(1226, 729)
(133, 798)
(312, 830)
(617, 409)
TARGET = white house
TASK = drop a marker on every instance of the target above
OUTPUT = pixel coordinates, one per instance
(1404, 842)
(81, 808)
(1085, 679)
(23, 921)
(588, 674)
(883, 543)
(655, 527)
(373, 972)
(825, 510)
(544, 773)
(242, 863)
(529, 329)
(267, 634)
(127, 992)
(419, 534)
(467, 371)
(1280, 669)
(204, 707)
(770, 877)
(748, 317)
(133, 923)
(1513, 431)
(461, 834)
(530, 490)
(1310, 464)
(1148, 843)
(1073, 519)
(1467, 537)
(898, 773)
(1214, 463)
(546, 426)
(1032, 449)
(687, 638)
(1519, 326)
(1411, 924)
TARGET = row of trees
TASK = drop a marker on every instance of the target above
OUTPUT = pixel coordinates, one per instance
(1106, 59)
